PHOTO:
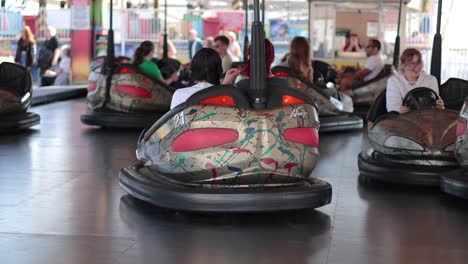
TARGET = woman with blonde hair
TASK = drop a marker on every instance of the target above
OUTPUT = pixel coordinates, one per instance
(234, 48)
(26, 49)
(410, 76)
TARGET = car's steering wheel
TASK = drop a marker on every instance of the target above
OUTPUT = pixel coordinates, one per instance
(420, 98)
(318, 78)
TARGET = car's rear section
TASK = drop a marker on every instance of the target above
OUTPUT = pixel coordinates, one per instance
(130, 99)
(215, 153)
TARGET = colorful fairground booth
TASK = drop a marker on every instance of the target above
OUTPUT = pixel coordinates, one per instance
(334, 23)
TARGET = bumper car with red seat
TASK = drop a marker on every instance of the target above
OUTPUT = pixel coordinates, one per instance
(125, 98)
(215, 153)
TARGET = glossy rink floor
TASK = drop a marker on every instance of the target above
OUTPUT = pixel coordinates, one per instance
(60, 202)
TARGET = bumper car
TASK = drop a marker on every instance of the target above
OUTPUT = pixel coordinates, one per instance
(15, 98)
(335, 111)
(224, 150)
(324, 73)
(125, 97)
(456, 182)
(215, 153)
(415, 148)
(121, 96)
(365, 93)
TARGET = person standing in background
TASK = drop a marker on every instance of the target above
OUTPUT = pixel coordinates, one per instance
(195, 44)
(62, 75)
(171, 50)
(49, 54)
(234, 48)
(26, 49)
(209, 43)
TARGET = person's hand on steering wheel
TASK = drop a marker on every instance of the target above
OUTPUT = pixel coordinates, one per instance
(404, 109)
(440, 104)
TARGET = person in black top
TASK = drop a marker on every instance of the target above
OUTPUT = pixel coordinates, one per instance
(26, 49)
(49, 54)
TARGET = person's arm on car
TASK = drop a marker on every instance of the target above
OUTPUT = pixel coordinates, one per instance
(361, 74)
(394, 100)
(231, 76)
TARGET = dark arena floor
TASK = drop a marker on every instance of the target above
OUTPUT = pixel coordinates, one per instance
(60, 202)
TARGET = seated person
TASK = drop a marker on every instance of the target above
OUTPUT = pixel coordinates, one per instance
(353, 44)
(62, 75)
(142, 58)
(409, 76)
(299, 61)
(269, 59)
(273, 82)
(374, 65)
(205, 71)
(221, 44)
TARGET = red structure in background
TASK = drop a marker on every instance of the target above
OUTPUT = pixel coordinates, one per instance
(223, 21)
(31, 22)
(81, 41)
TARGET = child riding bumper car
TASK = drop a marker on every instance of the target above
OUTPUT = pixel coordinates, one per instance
(15, 98)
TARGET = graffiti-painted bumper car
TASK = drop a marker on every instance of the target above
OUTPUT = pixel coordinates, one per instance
(215, 153)
(125, 99)
(334, 109)
(15, 98)
(414, 148)
(456, 181)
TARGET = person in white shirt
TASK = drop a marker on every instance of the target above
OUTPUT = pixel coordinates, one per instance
(234, 48)
(221, 44)
(205, 71)
(374, 65)
(62, 75)
(409, 76)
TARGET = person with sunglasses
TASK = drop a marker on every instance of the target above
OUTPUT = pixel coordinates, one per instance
(374, 65)
(410, 75)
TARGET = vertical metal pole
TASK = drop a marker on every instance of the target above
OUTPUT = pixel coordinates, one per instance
(309, 13)
(110, 58)
(110, 40)
(437, 47)
(165, 46)
(263, 12)
(123, 30)
(257, 61)
(246, 27)
(396, 51)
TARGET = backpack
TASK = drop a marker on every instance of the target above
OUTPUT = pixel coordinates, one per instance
(45, 58)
